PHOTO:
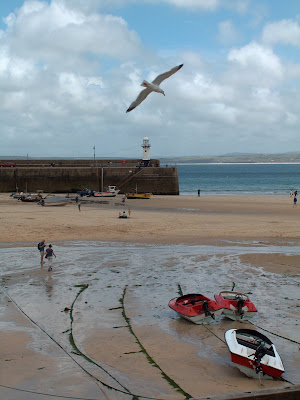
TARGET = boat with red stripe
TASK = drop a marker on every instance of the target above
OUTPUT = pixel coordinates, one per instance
(253, 353)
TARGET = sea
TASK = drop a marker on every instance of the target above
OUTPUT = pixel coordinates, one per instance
(238, 179)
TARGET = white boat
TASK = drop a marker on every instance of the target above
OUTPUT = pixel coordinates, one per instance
(111, 191)
(253, 353)
(55, 201)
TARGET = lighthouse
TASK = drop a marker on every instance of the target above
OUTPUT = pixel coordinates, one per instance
(146, 149)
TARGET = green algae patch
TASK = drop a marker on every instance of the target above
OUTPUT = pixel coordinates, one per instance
(143, 350)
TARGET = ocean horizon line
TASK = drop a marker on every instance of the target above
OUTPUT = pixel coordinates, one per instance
(236, 163)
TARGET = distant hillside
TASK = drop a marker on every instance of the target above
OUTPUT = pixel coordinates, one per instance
(235, 158)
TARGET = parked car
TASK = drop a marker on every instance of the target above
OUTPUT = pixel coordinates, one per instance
(8, 164)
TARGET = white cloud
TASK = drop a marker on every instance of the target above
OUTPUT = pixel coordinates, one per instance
(227, 32)
(14, 71)
(194, 59)
(257, 62)
(239, 6)
(195, 4)
(266, 99)
(55, 34)
(68, 74)
(198, 88)
(285, 31)
(291, 119)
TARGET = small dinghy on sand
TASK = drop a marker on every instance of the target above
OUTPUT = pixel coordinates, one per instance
(253, 353)
(196, 308)
(55, 201)
(236, 306)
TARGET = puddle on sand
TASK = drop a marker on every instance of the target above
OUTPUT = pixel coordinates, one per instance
(153, 274)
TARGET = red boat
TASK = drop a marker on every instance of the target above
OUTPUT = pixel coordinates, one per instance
(236, 306)
(196, 308)
(31, 198)
(253, 353)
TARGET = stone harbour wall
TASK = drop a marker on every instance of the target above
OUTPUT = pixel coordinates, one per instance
(70, 179)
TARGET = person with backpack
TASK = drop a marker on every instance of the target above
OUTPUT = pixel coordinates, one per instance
(49, 255)
(41, 247)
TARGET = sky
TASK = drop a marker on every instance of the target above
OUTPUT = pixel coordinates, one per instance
(69, 69)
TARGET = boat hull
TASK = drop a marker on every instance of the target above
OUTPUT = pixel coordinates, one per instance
(104, 194)
(56, 204)
(201, 319)
(30, 199)
(56, 201)
(235, 317)
(248, 368)
(138, 195)
(243, 344)
(196, 308)
(110, 191)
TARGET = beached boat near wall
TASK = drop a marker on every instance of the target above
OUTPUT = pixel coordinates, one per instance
(138, 195)
(236, 306)
(253, 353)
(196, 308)
(30, 198)
(17, 195)
(55, 201)
(111, 191)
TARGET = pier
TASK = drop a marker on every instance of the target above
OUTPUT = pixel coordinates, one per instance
(70, 176)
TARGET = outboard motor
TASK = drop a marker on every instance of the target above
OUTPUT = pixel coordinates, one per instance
(260, 352)
(240, 304)
(206, 310)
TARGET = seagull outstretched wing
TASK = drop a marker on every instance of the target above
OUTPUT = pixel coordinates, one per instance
(141, 97)
(158, 80)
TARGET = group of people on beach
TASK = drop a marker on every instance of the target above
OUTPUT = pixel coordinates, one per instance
(295, 196)
(48, 253)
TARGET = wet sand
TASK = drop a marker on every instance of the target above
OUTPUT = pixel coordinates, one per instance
(132, 267)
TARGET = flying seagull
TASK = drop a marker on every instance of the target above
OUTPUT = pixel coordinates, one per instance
(152, 87)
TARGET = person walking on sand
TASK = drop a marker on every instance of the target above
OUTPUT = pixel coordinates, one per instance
(79, 205)
(129, 212)
(295, 201)
(291, 193)
(49, 255)
(41, 247)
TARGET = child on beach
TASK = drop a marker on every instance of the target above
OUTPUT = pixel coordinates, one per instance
(295, 202)
(49, 255)
(79, 205)
(41, 248)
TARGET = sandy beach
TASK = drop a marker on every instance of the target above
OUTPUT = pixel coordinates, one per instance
(117, 275)
(161, 219)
